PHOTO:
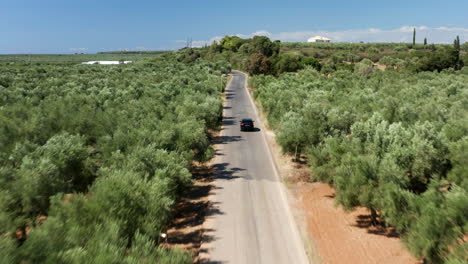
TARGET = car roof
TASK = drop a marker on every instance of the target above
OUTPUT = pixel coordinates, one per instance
(247, 120)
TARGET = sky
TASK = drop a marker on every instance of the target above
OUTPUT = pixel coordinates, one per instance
(65, 26)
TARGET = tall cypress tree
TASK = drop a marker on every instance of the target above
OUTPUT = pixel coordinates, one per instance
(456, 46)
(425, 41)
(414, 37)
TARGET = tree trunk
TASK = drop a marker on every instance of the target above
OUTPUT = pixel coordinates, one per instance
(295, 154)
(373, 217)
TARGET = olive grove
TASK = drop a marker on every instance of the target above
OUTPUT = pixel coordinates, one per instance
(392, 141)
(93, 158)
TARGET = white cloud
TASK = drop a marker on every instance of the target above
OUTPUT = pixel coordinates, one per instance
(402, 34)
(78, 49)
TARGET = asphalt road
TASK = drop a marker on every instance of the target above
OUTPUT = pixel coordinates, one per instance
(252, 222)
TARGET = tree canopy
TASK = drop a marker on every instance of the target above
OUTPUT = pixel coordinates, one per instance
(93, 158)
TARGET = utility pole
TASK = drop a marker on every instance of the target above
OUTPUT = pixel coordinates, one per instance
(189, 42)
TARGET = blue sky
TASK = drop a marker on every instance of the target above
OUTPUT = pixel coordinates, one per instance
(53, 26)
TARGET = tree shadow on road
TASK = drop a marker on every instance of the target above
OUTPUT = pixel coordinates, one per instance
(230, 95)
(228, 120)
(227, 139)
(223, 172)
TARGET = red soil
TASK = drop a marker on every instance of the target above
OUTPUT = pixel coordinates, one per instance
(346, 237)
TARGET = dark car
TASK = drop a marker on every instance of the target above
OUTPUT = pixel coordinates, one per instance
(247, 124)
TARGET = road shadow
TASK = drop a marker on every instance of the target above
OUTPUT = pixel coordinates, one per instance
(230, 95)
(223, 172)
(226, 139)
(193, 238)
(228, 121)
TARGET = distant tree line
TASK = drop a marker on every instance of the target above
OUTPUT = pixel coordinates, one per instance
(146, 52)
(259, 55)
(70, 59)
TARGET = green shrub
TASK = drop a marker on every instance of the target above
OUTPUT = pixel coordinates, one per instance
(258, 64)
(287, 62)
(364, 68)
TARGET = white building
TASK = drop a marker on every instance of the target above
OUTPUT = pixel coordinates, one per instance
(106, 62)
(319, 39)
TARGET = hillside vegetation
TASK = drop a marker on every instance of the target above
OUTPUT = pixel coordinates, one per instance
(92, 158)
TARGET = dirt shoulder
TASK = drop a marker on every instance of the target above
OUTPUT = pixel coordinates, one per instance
(332, 235)
(187, 229)
(347, 237)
